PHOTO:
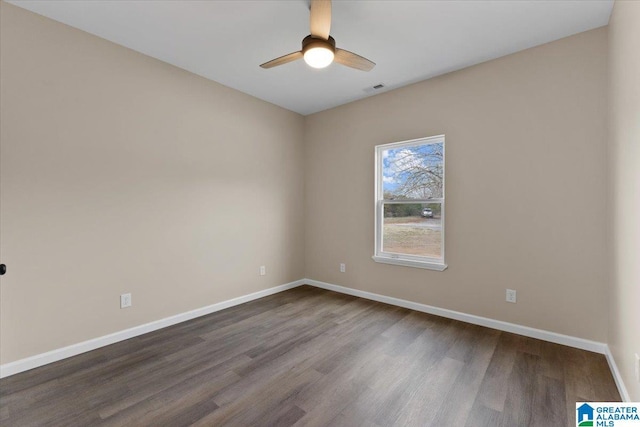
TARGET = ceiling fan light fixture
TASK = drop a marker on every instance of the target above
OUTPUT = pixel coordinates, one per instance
(318, 57)
(317, 52)
(319, 48)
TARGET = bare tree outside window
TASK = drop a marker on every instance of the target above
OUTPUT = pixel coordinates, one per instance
(413, 172)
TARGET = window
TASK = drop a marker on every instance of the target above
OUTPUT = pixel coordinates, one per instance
(410, 203)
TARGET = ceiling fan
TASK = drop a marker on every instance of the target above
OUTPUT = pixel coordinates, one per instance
(319, 48)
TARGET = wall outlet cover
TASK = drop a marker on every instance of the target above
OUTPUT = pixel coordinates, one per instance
(125, 300)
(511, 295)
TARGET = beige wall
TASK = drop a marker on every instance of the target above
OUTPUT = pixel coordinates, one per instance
(624, 163)
(526, 176)
(121, 173)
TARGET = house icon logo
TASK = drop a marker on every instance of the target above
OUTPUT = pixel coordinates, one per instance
(585, 415)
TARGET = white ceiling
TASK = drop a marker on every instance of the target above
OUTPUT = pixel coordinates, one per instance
(410, 41)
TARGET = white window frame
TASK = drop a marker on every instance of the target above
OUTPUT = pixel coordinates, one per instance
(430, 263)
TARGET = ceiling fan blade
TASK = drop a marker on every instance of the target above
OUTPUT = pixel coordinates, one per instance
(320, 18)
(352, 60)
(282, 60)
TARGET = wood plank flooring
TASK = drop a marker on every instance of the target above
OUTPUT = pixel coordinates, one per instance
(310, 357)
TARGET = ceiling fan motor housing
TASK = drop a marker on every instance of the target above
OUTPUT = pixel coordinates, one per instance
(311, 42)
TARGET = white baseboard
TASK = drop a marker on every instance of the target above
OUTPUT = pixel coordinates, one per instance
(28, 363)
(62, 353)
(622, 389)
(540, 334)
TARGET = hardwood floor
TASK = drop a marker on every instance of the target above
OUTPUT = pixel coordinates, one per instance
(310, 357)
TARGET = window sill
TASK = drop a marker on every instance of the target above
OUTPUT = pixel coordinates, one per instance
(410, 263)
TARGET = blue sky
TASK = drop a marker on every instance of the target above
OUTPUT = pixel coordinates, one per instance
(397, 163)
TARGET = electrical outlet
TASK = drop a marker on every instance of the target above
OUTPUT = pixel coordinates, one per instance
(637, 363)
(125, 300)
(263, 270)
(511, 295)
(343, 268)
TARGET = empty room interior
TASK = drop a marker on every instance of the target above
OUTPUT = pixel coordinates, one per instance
(316, 213)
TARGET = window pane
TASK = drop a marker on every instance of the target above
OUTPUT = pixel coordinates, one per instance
(412, 229)
(413, 172)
